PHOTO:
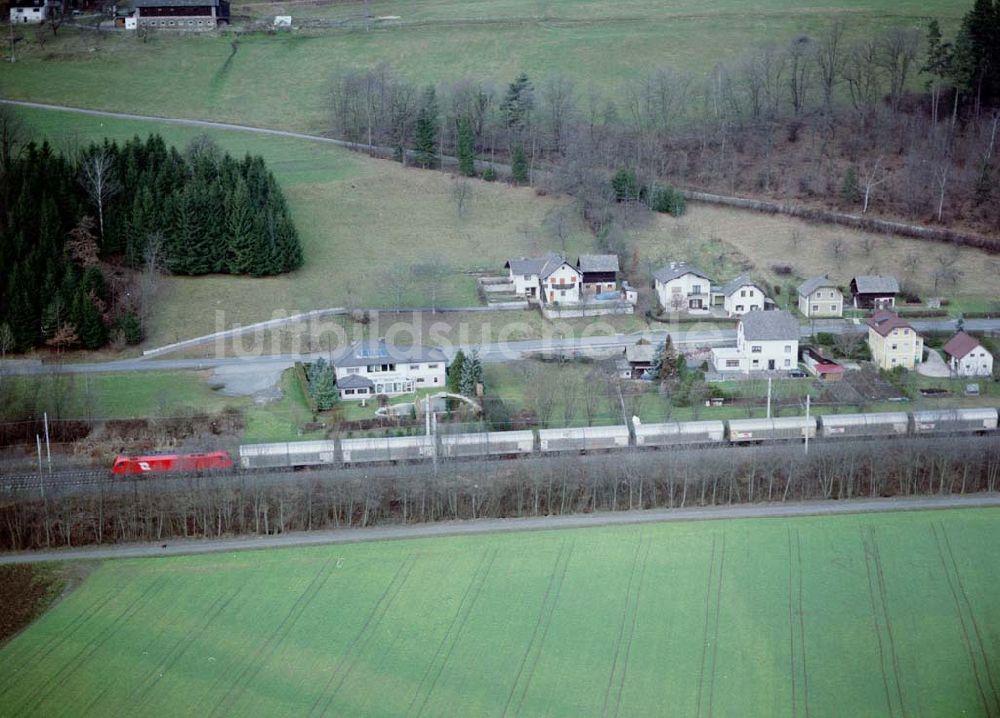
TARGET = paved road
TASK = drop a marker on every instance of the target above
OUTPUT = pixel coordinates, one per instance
(486, 526)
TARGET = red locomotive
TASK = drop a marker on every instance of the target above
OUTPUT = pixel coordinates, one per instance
(172, 463)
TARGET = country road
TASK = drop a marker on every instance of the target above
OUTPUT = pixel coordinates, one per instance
(488, 526)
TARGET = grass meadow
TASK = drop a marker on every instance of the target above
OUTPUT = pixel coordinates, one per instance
(823, 616)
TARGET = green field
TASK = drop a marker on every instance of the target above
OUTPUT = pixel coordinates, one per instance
(841, 616)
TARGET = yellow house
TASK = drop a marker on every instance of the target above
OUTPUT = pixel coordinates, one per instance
(893, 342)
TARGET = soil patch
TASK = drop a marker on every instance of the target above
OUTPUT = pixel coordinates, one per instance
(28, 590)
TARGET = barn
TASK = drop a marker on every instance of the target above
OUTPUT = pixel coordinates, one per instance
(181, 14)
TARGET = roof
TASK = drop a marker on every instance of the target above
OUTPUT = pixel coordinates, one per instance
(363, 353)
(552, 263)
(741, 281)
(875, 284)
(355, 381)
(676, 270)
(773, 325)
(597, 263)
(883, 321)
(27, 3)
(960, 345)
(175, 3)
(812, 284)
(640, 353)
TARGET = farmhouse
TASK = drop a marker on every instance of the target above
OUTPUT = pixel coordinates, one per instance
(181, 14)
(549, 278)
(682, 287)
(742, 295)
(874, 292)
(820, 297)
(368, 368)
(28, 12)
(599, 274)
(638, 358)
(893, 342)
(765, 341)
(967, 357)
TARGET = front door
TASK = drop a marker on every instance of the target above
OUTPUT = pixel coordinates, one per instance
(695, 304)
(770, 364)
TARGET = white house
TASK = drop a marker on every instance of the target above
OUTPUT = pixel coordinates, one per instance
(550, 278)
(28, 12)
(368, 368)
(681, 287)
(765, 341)
(820, 297)
(967, 357)
(742, 295)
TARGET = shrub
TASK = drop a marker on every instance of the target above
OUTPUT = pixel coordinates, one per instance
(667, 200)
(625, 185)
(489, 174)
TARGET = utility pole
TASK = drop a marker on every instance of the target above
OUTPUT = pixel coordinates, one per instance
(10, 24)
(807, 423)
(769, 397)
(41, 478)
(48, 448)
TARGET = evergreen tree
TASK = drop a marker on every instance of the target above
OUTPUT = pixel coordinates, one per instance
(472, 374)
(466, 148)
(518, 103)
(849, 189)
(426, 132)
(519, 166)
(625, 185)
(455, 372)
(93, 334)
(242, 235)
(322, 384)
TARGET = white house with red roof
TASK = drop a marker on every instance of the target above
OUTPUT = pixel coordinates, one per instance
(967, 357)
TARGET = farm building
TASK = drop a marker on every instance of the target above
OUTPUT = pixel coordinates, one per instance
(638, 358)
(967, 357)
(874, 292)
(823, 368)
(682, 287)
(181, 14)
(820, 297)
(743, 295)
(893, 342)
(29, 12)
(599, 273)
(765, 341)
(368, 368)
(549, 278)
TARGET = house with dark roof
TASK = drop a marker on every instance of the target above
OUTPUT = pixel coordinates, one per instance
(765, 341)
(598, 274)
(638, 358)
(893, 342)
(742, 295)
(682, 287)
(967, 357)
(181, 14)
(368, 368)
(29, 12)
(820, 297)
(549, 278)
(874, 291)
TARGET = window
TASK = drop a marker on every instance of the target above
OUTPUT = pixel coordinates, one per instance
(732, 362)
(562, 292)
(420, 380)
(788, 362)
(833, 307)
(348, 391)
(432, 366)
(435, 380)
(894, 360)
(756, 349)
(788, 349)
(743, 292)
(906, 331)
(414, 366)
(756, 362)
(739, 307)
(895, 347)
(675, 290)
(353, 370)
(527, 278)
(815, 307)
(695, 289)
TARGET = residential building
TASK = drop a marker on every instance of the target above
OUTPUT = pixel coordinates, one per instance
(29, 12)
(820, 297)
(548, 279)
(874, 291)
(682, 287)
(743, 295)
(765, 341)
(369, 368)
(181, 14)
(638, 358)
(599, 274)
(893, 342)
(967, 357)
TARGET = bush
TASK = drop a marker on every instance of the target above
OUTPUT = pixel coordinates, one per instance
(489, 174)
(625, 185)
(667, 200)
(781, 269)
(825, 339)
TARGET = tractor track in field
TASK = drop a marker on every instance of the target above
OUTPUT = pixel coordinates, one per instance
(632, 627)
(715, 641)
(802, 626)
(791, 632)
(883, 594)
(464, 610)
(625, 623)
(387, 596)
(88, 650)
(545, 615)
(708, 613)
(880, 647)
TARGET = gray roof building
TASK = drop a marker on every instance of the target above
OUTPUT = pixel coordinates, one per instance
(675, 270)
(175, 3)
(540, 266)
(597, 263)
(365, 353)
(355, 381)
(741, 281)
(812, 284)
(875, 284)
(774, 325)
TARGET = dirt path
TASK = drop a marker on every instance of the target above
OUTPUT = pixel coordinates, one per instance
(486, 526)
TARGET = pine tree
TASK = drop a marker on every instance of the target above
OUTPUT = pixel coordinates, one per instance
(656, 365)
(426, 132)
(93, 333)
(242, 236)
(466, 148)
(455, 372)
(472, 374)
(322, 384)
(519, 166)
(518, 103)
(849, 189)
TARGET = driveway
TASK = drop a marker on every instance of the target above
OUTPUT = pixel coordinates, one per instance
(934, 366)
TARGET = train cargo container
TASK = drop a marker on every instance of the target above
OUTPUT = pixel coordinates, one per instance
(780, 429)
(591, 438)
(679, 433)
(945, 421)
(288, 454)
(388, 448)
(172, 463)
(491, 443)
(835, 426)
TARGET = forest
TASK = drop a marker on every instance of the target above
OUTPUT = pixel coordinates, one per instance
(84, 234)
(900, 123)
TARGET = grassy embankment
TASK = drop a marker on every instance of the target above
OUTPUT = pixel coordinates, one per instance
(743, 616)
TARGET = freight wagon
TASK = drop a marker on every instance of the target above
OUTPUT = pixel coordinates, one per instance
(679, 433)
(946, 421)
(837, 426)
(785, 428)
(591, 438)
(491, 443)
(389, 448)
(288, 454)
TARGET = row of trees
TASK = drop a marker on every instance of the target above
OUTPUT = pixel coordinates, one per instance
(82, 235)
(156, 510)
(784, 120)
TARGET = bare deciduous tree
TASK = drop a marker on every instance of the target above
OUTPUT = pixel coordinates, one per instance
(97, 176)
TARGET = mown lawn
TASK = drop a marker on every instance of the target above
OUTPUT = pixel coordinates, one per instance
(887, 614)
